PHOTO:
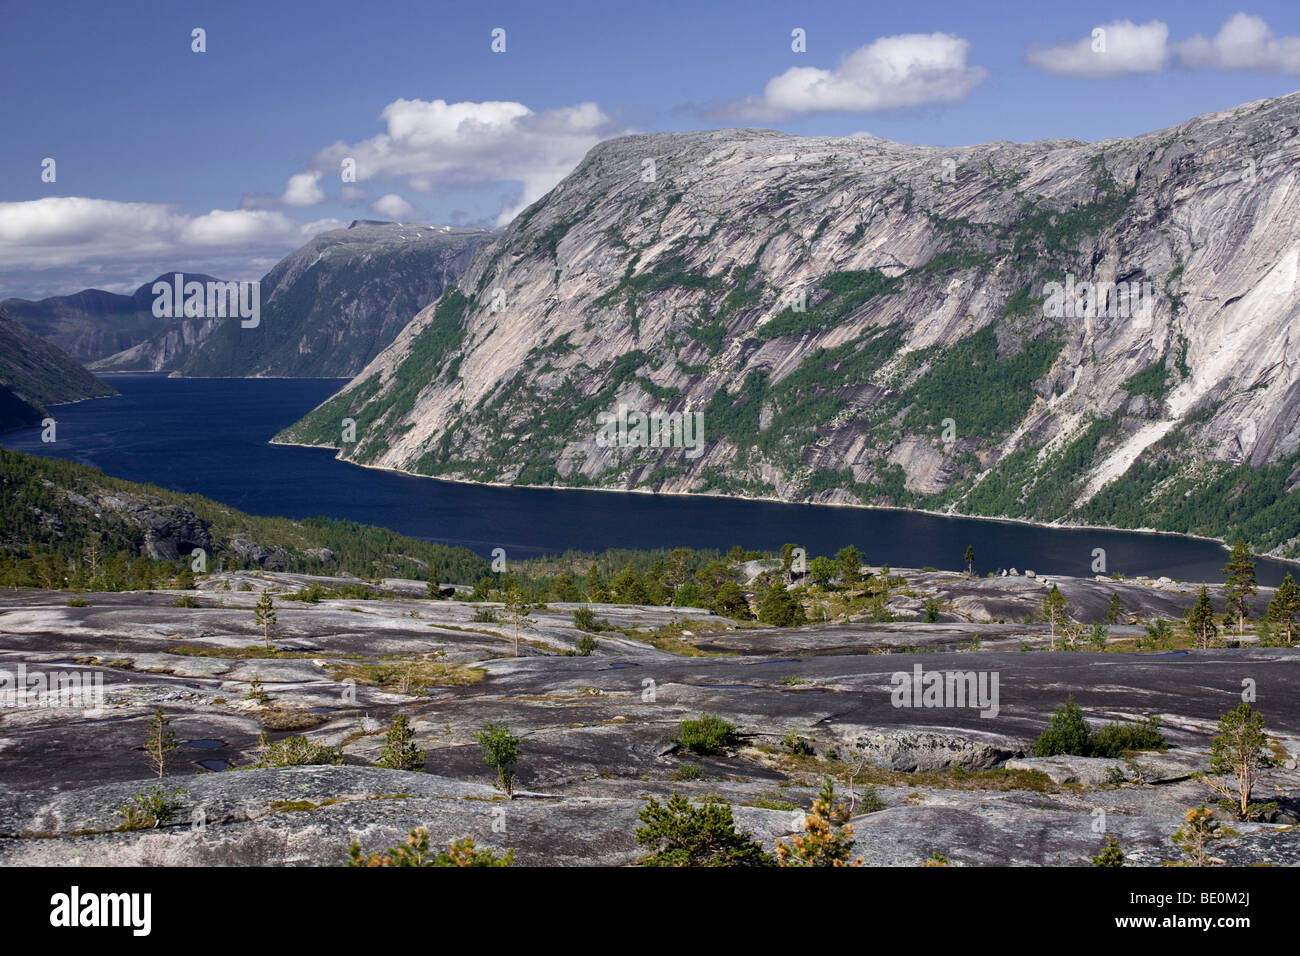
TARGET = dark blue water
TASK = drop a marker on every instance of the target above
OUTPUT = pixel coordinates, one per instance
(209, 436)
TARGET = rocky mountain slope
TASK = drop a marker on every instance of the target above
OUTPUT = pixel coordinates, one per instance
(92, 324)
(34, 373)
(327, 308)
(53, 513)
(860, 321)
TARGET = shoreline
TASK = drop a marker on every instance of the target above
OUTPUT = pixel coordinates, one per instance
(1052, 526)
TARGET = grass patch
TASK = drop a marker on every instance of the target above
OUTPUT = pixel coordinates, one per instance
(670, 638)
(407, 677)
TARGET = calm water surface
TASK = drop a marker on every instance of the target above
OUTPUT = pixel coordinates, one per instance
(209, 436)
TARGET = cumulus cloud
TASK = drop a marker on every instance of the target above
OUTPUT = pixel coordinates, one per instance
(72, 239)
(438, 146)
(303, 189)
(394, 207)
(1113, 49)
(911, 69)
(1244, 42)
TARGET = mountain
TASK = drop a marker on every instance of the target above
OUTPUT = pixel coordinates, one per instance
(34, 373)
(326, 309)
(947, 353)
(52, 512)
(92, 324)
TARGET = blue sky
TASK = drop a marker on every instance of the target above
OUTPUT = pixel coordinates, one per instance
(225, 160)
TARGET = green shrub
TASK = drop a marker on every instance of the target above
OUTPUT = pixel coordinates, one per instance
(584, 619)
(1115, 739)
(585, 645)
(186, 600)
(680, 834)
(687, 771)
(150, 808)
(1111, 854)
(1066, 733)
(501, 752)
(294, 752)
(780, 609)
(485, 615)
(76, 602)
(799, 746)
(400, 751)
(309, 595)
(707, 734)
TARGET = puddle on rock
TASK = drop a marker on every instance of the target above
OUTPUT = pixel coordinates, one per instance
(214, 765)
(203, 744)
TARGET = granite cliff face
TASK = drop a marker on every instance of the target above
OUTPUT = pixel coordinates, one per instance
(327, 308)
(1002, 329)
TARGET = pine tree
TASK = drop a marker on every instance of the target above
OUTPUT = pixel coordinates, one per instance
(1200, 619)
(501, 753)
(1111, 854)
(264, 613)
(1238, 757)
(516, 606)
(827, 839)
(1196, 834)
(597, 592)
(160, 741)
(969, 557)
(1284, 607)
(1053, 606)
(1114, 609)
(780, 608)
(1239, 586)
(731, 601)
(681, 834)
(400, 752)
(629, 588)
(850, 562)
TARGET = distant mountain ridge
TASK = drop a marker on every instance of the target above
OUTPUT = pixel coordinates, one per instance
(327, 308)
(93, 324)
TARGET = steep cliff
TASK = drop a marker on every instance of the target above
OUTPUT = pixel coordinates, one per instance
(1006, 329)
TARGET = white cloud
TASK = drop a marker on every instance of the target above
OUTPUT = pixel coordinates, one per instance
(1244, 42)
(889, 73)
(303, 189)
(438, 146)
(229, 227)
(394, 207)
(74, 239)
(1123, 47)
